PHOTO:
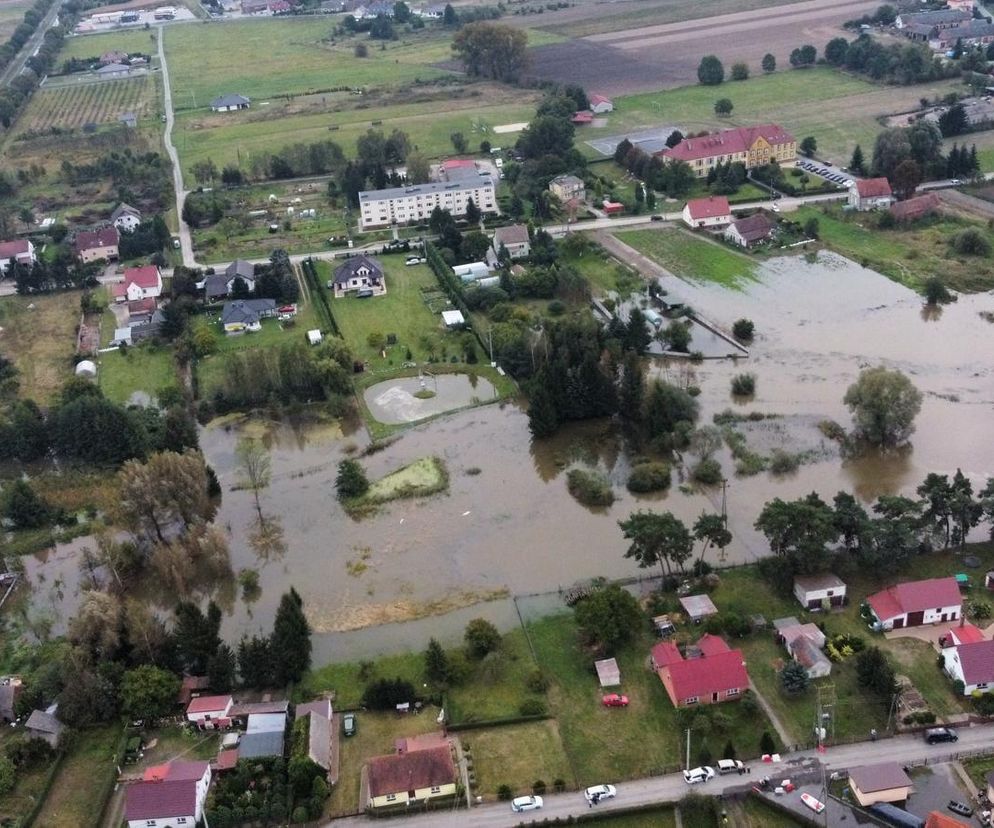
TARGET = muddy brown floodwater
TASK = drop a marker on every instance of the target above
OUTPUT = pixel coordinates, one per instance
(512, 528)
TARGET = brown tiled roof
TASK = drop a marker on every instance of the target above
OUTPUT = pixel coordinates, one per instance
(882, 777)
(410, 771)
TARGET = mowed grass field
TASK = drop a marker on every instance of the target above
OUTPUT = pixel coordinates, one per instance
(92, 46)
(11, 16)
(691, 257)
(41, 340)
(96, 102)
(839, 110)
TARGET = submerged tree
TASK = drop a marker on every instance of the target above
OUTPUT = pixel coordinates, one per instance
(256, 469)
(884, 405)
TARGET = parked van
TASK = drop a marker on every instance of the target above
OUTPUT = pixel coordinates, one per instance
(940, 734)
(730, 766)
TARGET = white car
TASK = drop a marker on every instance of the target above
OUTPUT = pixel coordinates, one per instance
(695, 776)
(599, 792)
(526, 803)
(815, 805)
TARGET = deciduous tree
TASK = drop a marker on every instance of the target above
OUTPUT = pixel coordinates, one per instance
(481, 637)
(609, 616)
(148, 692)
(657, 540)
(884, 405)
(492, 50)
(710, 71)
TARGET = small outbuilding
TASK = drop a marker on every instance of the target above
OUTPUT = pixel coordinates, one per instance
(886, 782)
(750, 231)
(453, 319)
(823, 591)
(42, 724)
(608, 672)
(698, 607)
(314, 337)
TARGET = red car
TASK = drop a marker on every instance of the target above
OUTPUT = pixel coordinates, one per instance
(615, 700)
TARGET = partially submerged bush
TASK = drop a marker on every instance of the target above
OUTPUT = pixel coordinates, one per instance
(744, 385)
(590, 487)
(649, 477)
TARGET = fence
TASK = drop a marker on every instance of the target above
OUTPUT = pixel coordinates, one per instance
(28, 819)
(319, 296)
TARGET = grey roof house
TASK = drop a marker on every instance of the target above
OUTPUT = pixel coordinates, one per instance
(361, 273)
(320, 731)
(43, 725)
(229, 103)
(242, 312)
(222, 284)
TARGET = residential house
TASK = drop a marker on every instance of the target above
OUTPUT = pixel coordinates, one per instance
(190, 685)
(718, 675)
(362, 274)
(751, 146)
(750, 231)
(870, 194)
(698, 607)
(42, 724)
(113, 70)
(431, 12)
(567, 187)
(917, 602)
(820, 591)
(916, 208)
(938, 19)
(961, 634)
(94, 245)
(601, 105)
(10, 689)
(712, 211)
(804, 643)
(415, 203)
(515, 239)
(320, 731)
(169, 796)
(21, 251)
(970, 33)
(126, 218)
(114, 56)
(222, 284)
(972, 664)
(406, 779)
(139, 283)
(886, 782)
(608, 672)
(203, 709)
(230, 103)
(241, 315)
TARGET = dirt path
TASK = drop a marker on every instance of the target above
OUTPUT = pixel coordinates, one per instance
(967, 203)
(629, 255)
(785, 737)
(185, 240)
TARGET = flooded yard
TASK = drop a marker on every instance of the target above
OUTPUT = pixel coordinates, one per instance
(407, 400)
(508, 525)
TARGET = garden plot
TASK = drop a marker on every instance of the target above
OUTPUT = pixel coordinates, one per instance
(98, 102)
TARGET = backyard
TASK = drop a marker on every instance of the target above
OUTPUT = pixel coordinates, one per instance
(691, 257)
(39, 334)
(146, 369)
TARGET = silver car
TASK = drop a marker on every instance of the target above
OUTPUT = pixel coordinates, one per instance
(526, 803)
(595, 793)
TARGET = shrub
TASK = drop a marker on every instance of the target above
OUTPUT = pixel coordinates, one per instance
(533, 707)
(783, 462)
(504, 793)
(985, 704)
(351, 480)
(649, 477)
(536, 681)
(701, 568)
(744, 329)
(300, 814)
(971, 242)
(936, 293)
(538, 787)
(556, 308)
(591, 488)
(708, 472)
(386, 694)
(558, 785)
(744, 385)
(481, 638)
(979, 610)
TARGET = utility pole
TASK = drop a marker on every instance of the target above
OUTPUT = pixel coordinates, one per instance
(688, 748)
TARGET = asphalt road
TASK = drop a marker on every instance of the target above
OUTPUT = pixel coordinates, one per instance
(662, 789)
(16, 66)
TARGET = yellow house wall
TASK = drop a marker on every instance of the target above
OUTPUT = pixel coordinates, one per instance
(420, 795)
(888, 795)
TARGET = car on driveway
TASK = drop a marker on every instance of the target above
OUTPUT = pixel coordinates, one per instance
(615, 700)
(595, 793)
(526, 803)
(349, 724)
(695, 776)
(960, 808)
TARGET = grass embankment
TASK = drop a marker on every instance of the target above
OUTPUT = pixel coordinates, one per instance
(691, 257)
(806, 103)
(422, 478)
(39, 335)
(908, 255)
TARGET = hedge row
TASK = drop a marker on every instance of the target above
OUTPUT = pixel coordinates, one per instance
(319, 295)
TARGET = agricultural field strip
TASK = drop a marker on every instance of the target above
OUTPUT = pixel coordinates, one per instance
(639, 38)
(100, 102)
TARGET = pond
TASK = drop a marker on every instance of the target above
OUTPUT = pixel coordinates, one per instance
(508, 526)
(409, 399)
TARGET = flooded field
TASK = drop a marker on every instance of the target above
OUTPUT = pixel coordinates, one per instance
(410, 399)
(508, 525)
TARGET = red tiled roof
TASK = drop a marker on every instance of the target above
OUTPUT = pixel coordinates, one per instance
(142, 305)
(710, 207)
(208, 704)
(226, 759)
(915, 596)
(161, 800)
(145, 277)
(584, 116)
(727, 142)
(873, 187)
(700, 677)
(89, 239)
(915, 207)
(598, 99)
(409, 771)
(937, 819)
(754, 227)
(665, 653)
(977, 661)
(177, 770)
(712, 645)
(9, 249)
(190, 683)
(967, 634)
(426, 741)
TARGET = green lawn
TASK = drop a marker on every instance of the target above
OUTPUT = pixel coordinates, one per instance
(401, 311)
(257, 242)
(910, 255)
(840, 111)
(661, 818)
(611, 744)
(92, 46)
(143, 368)
(27, 788)
(691, 257)
(518, 755)
(978, 768)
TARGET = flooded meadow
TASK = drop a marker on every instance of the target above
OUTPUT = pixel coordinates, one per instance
(508, 526)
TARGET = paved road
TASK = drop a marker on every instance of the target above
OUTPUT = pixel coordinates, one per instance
(185, 241)
(903, 749)
(16, 66)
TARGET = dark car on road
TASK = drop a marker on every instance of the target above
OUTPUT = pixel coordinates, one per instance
(934, 735)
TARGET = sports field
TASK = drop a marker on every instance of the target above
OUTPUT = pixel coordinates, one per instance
(839, 110)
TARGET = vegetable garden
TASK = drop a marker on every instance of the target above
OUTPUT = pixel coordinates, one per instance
(100, 102)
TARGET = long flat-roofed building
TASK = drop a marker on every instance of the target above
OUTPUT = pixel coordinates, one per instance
(406, 205)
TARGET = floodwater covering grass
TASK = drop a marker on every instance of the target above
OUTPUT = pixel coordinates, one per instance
(909, 255)
(691, 257)
(422, 478)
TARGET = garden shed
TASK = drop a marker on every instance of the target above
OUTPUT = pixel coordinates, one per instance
(608, 672)
(698, 607)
